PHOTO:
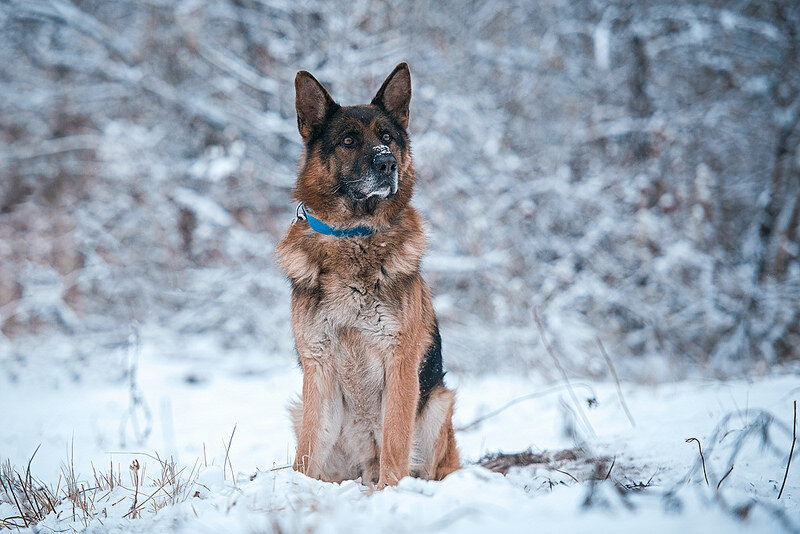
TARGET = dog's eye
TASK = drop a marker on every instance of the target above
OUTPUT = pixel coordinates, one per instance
(386, 137)
(347, 141)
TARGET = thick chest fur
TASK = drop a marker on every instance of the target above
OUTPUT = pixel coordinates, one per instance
(358, 294)
(354, 331)
(350, 301)
(361, 283)
(347, 303)
(351, 323)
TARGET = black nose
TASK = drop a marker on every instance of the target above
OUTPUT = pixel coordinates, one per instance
(384, 163)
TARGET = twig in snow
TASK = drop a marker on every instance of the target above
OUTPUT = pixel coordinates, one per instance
(136, 397)
(791, 451)
(552, 354)
(724, 477)
(280, 467)
(702, 459)
(134, 468)
(616, 379)
(613, 462)
(28, 478)
(640, 485)
(517, 400)
(227, 451)
(569, 475)
(21, 513)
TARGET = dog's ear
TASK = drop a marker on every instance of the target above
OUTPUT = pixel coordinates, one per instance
(312, 101)
(395, 94)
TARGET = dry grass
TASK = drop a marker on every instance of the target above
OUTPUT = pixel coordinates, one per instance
(106, 494)
(576, 463)
(32, 499)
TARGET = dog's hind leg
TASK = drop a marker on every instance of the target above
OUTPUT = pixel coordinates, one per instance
(445, 451)
(434, 454)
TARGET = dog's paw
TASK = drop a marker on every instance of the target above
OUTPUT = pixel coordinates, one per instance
(389, 478)
(301, 464)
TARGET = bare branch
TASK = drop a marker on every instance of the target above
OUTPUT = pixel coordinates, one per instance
(557, 363)
(616, 380)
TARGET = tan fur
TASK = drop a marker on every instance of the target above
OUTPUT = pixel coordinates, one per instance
(363, 321)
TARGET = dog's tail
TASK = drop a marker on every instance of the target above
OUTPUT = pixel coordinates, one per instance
(295, 409)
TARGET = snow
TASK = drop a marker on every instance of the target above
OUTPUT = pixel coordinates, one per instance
(163, 144)
(602, 54)
(215, 165)
(206, 208)
(195, 406)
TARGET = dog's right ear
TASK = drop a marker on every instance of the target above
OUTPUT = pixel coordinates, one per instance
(312, 101)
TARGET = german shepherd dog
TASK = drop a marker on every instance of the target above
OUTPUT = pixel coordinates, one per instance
(374, 404)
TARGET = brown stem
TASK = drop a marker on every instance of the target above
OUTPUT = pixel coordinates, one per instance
(702, 459)
(791, 451)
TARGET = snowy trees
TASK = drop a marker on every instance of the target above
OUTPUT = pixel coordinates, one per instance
(631, 170)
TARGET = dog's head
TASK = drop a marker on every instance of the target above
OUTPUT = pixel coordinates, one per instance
(356, 167)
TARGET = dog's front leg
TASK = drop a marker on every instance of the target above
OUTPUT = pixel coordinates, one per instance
(321, 418)
(400, 401)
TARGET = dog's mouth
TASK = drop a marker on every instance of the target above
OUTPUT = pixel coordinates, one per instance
(382, 192)
(371, 189)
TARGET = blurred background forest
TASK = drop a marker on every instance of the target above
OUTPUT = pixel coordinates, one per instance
(629, 169)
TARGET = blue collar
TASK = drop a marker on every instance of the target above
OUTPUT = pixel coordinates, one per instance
(326, 229)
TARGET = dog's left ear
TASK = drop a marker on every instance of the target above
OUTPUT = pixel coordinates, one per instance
(395, 94)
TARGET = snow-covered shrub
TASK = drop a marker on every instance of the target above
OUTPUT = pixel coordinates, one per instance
(630, 170)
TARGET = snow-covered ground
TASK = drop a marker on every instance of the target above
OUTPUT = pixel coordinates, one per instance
(194, 406)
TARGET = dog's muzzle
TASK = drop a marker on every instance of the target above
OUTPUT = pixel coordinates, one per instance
(383, 172)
